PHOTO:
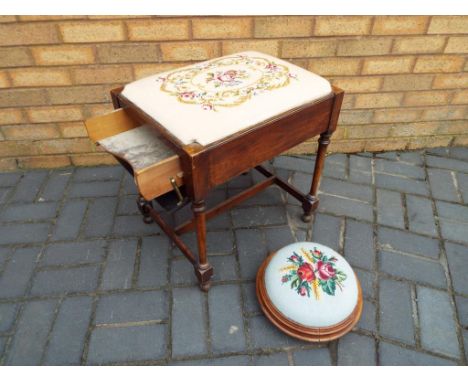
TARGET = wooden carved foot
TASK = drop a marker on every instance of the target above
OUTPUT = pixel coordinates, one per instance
(204, 274)
(144, 206)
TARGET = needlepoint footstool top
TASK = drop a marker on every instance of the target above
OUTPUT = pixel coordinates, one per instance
(309, 291)
(214, 99)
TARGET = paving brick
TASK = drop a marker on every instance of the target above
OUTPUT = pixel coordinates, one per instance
(367, 320)
(68, 334)
(118, 271)
(312, 357)
(458, 262)
(459, 153)
(74, 253)
(94, 189)
(402, 169)
(349, 355)
(447, 163)
(132, 307)
(396, 312)
(392, 239)
(86, 174)
(264, 334)
(453, 230)
(31, 335)
(8, 314)
(127, 205)
(217, 242)
(360, 169)
(345, 207)
(346, 189)
(226, 321)
(255, 216)
(452, 211)
(2, 344)
(29, 186)
(305, 165)
(29, 211)
(359, 244)
(5, 194)
(334, 169)
(235, 360)
(133, 225)
(128, 185)
(69, 220)
(270, 196)
(392, 355)
(420, 215)
(442, 185)
(59, 281)
(367, 280)
(413, 268)
(15, 277)
(326, 230)
(24, 233)
(100, 217)
(463, 185)
(55, 186)
(188, 330)
(251, 250)
(462, 308)
(124, 344)
(401, 184)
(390, 209)
(438, 328)
(250, 298)
(9, 179)
(153, 262)
(275, 359)
(278, 237)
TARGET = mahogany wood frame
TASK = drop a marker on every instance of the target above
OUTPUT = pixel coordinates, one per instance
(205, 167)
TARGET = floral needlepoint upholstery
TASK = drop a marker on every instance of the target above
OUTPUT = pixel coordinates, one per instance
(311, 284)
(211, 100)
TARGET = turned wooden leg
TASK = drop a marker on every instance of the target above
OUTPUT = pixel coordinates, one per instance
(203, 269)
(143, 206)
(311, 202)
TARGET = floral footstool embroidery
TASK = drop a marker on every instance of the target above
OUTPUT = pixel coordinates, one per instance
(313, 272)
(229, 81)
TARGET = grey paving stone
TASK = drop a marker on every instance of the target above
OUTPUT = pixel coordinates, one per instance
(453, 230)
(368, 317)
(28, 211)
(100, 217)
(388, 155)
(4, 255)
(264, 334)
(396, 312)
(465, 341)
(2, 344)
(359, 163)
(300, 181)
(367, 280)
(390, 208)
(24, 233)
(457, 256)
(8, 314)
(132, 307)
(305, 165)
(463, 185)
(334, 169)
(420, 215)
(345, 207)
(252, 251)
(449, 164)
(86, 174)
(407, 242)
(269, 196)
(462, 307)
(9, 179)
(93, 189)
(450, 211)
(256, 216)
(312, 357)
(5, 194)
(69, 221)
(438, 328)
(278, 237)
(275, 359)
(118, 271)
(226, 321)
(359, 244)
(59, 281)
(326, 230)
(356, 350)
(393, 355)
(55, 186)
(128, 185)
(31, 335)
(346, 189)
(459, 152)
(295, 213)
(15, 277)
(153, 270)
(188, 330)
(412, 157)
(68, 334)
(442, 151)
(413, 268)
(241, 181)
(127, 205)
(397, 183)
(74, 253)
(133, 225)
(250, 298)
(125, 344)
(399, 168)
(235, 360)
(442, 185)
(29, 186)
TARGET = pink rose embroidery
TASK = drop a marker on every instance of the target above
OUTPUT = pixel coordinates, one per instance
(325, 270)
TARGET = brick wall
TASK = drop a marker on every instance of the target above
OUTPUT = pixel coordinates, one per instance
(406, 77)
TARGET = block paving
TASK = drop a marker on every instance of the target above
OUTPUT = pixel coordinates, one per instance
(84, 282)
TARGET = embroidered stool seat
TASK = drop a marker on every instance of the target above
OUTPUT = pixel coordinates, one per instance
(195, 103)
(310, 292)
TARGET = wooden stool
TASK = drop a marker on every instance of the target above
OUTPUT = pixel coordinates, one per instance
(189, 130)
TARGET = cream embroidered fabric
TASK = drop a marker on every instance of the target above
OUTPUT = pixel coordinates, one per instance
(214, 99)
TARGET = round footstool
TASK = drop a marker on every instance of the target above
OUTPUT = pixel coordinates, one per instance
(309, 292)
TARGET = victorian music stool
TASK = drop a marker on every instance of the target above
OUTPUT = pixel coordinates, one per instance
(183, 132)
